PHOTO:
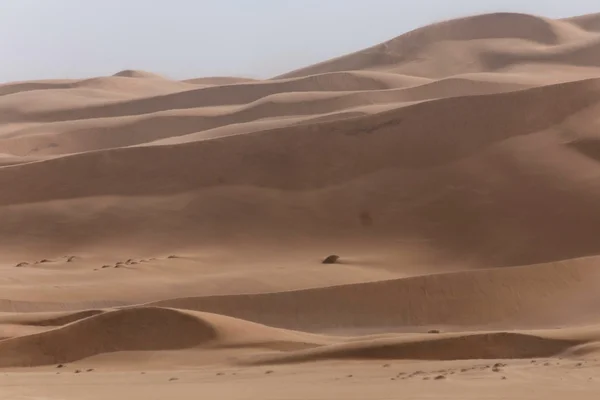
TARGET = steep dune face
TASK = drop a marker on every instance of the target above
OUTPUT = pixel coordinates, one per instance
(453, 169)
(142, 329)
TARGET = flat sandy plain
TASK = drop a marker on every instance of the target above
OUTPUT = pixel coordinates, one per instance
(163, 239)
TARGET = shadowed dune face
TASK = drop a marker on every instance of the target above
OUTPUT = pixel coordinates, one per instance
(141, 329)
(476, 347)
(453, 170)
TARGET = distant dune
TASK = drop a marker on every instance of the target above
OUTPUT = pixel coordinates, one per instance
(219, 80)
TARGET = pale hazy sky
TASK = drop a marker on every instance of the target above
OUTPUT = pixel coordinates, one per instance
(42, 39)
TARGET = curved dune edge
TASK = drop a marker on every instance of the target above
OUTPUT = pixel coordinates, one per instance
(528, 297)
(48, 318)
(273, 111)
(539, 108)
(219, 80)
(467, 346)
(161, 329)
(142, 329)
(132, 73)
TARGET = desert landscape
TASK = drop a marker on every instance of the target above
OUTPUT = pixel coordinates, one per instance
(165, 239)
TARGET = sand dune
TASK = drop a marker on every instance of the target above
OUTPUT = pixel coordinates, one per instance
(46, 319)
(149, 329)
(481, 346)
(132, 73)
(479, 178)
(181, 225)
(153, 329)
(19, 106)
(16, 87)
(140, 329)
(589, 22)
(525, 297)
(405, 53)
(279, 109)
(219, 80)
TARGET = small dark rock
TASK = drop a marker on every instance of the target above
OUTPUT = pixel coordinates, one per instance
(60, 366)
(173, 379)
(90, 370)
(22, 264)
(332, 259)
(386, 365)
(434, 331)
(106, 266)
(439, 377)
(77, 371)
(269, 372)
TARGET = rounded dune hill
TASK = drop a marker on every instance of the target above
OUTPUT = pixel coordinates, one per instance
(219, 80)
(141, 329)
(132, 73)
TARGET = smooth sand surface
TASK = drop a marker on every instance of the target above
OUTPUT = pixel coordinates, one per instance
(164, 239)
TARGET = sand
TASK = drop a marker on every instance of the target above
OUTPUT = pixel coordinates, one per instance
(164, 239)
